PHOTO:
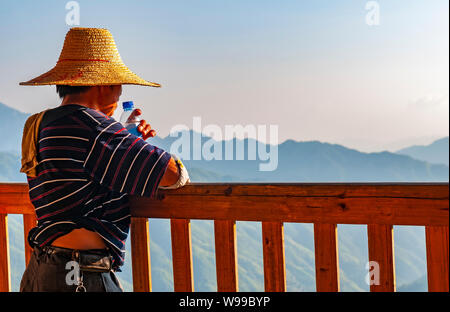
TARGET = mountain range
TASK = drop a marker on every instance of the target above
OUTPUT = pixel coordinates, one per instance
(436, 152)
(311, 161)
(11, 123)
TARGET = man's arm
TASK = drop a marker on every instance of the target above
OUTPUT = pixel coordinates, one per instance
(182, 175)
(127, 164)
(171, 175)
(121, 161)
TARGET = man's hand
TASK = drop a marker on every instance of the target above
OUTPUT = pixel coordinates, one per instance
(144, 128)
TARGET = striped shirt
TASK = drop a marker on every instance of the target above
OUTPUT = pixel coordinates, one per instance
(88, 164)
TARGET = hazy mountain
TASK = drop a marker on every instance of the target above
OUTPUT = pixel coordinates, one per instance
(419, 285)
(311, 161)
(436, 152)
(11, 124)
(297, 161)
(10, 166)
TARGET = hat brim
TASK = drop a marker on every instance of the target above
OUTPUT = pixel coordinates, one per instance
(89, 73)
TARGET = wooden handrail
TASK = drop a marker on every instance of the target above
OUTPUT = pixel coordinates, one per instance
(183, 279)
(333, 203)
(378, 205)
(273, 255)
(5, 276)
(140, 244)
(326, 257)
(381, 249)
(226, 255)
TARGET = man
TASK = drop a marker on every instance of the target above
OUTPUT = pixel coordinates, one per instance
(81, 166)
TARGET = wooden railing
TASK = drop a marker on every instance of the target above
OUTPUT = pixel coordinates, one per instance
(378, 205)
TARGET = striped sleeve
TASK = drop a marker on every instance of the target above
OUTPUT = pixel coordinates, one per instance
(122, 161)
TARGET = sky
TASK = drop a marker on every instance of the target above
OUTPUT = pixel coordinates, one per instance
(316, 69)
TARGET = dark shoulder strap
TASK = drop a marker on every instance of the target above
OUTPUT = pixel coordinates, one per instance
(58, 112)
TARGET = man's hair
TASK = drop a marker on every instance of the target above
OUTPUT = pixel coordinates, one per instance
(67, 90)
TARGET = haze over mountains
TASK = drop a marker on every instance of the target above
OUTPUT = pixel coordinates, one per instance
(11, 126)
(436, 152)
(311, 161)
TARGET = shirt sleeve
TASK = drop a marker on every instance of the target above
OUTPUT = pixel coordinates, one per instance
(124, 162)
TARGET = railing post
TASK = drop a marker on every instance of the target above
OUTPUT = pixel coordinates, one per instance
(29, 222)
(140, 255)
(326, 257)
(437, 258)
(226, 255)
(182, 255)
(273, 253)
(381, 252)
(5, 277)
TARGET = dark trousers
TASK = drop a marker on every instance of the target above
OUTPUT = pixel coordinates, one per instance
(54, 269)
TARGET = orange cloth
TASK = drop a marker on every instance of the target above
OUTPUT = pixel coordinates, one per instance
(29, 144)
(108, 109)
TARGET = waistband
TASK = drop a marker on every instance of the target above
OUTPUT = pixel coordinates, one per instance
(91, 260)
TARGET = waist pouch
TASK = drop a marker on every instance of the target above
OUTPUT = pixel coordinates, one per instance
(93, 260)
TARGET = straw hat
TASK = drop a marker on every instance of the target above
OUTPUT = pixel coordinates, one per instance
(89, 58)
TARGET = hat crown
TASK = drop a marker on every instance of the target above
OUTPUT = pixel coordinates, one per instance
(89, 57)
(87, 44)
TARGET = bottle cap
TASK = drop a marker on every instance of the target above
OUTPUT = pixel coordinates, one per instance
(128, 105)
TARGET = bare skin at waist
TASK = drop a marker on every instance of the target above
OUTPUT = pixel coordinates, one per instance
(80, 239)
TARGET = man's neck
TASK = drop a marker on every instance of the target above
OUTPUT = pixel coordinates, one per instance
(92, 99)
(75, 99)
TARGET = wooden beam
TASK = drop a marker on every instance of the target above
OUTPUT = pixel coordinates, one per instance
(183, 280)
(381, 252)
(226, 255)
(140, 255)
(273, 253)
(326, 257)
(437, 258)
(5, 276)
(29, 222)
(346, 203)
(14, 199)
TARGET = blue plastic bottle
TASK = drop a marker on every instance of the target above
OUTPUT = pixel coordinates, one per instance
(130, 122)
